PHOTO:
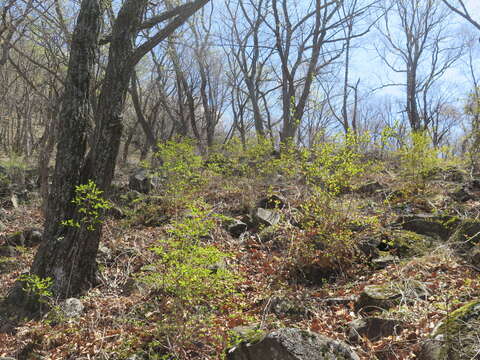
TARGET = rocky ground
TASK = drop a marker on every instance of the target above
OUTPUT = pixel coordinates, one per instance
(404, 283)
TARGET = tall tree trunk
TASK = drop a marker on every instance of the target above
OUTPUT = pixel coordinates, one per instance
(46, 148)
(61, 255)
(67, 254)
(128, 142)
(412, 106)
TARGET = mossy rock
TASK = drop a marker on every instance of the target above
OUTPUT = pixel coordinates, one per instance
(397, 243)
(409, 244)
(293, 344)
(283, 306)
(247, 333)
(383, 261)
(441, 226)
(466, 235)
(384, 297)
(235, 227)
(268, 234)
(27, 238)
(375, 297)
(456, 337)
(374, 328)
(266, 217)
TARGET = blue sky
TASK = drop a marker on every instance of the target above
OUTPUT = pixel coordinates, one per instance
(374, 73)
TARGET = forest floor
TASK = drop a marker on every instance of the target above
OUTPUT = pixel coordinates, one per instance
(279, 276)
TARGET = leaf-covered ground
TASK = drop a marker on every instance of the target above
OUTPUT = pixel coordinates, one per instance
(124, 316)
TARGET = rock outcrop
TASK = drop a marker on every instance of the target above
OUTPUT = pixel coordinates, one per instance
(293, 344)
(456, 337)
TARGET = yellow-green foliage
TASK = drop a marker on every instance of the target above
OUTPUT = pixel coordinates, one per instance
(330, 164)
(180, 166)
(36, 287)
(335, 164)
(324, 221)
(90, 205)
(232, 159)
(191, 279)
(188, 269)
(15, 167)
(418, 158)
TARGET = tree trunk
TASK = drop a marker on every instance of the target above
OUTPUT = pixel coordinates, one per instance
(66, 255)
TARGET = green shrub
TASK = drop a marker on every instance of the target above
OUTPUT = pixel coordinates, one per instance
(192, 282)
(180, 166)
(187, 269)
(232, 159)
(335, 164)
(35, 287)
(90, 206)
(418, 158)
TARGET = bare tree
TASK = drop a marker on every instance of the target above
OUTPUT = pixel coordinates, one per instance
(67, 254)
(210, 68)
(308, 38)
(459, 7)
(251, 55)
(14, 18)
(419, 46)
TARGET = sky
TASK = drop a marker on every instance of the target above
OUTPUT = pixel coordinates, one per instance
(373, 72)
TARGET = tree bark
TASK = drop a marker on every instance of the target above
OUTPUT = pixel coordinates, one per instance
(66, 255)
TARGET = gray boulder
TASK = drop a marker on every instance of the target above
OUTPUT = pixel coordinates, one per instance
(374, 328)
(72, 307)
(383, 261)
(266, 217)
(140, 181)
(283, 307)
(235, 227)
(33, 236)
(29, 237)
(293, 344)
(345, 301)
(375, 297)
(104, 254)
